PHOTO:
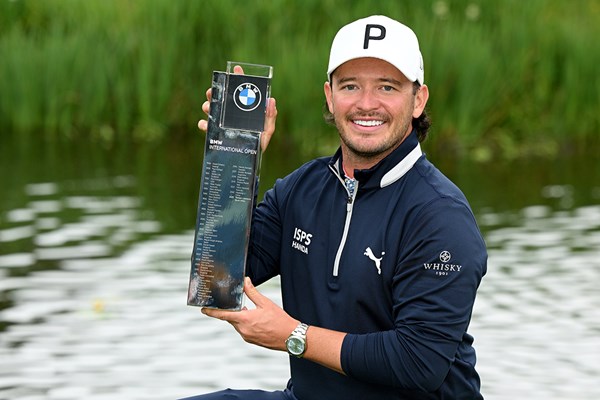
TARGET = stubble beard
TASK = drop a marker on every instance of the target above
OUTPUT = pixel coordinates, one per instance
(384, 148)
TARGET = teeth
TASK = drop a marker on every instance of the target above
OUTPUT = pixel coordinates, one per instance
(368, 123)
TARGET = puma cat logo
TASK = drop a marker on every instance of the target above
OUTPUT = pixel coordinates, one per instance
(377, 261)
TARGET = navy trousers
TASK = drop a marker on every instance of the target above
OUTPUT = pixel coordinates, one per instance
(230, 394)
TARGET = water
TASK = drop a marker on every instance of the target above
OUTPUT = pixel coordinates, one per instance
(93, 285)
(537, 318)
(108, 319)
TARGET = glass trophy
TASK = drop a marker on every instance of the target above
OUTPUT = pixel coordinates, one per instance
(230, 172)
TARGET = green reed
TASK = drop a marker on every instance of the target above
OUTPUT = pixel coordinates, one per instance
(508, 78)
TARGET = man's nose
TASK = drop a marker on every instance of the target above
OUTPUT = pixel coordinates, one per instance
(367, 100)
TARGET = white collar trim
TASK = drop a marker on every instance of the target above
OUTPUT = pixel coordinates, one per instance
(402, 167)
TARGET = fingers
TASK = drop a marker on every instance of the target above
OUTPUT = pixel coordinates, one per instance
(223, 315)
(236, 316)
(206, 104)
(203, 123)
(270, 119)
(253, 294)
(232, 316)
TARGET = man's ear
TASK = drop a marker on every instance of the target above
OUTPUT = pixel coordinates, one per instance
(328, 96)
(420, 101)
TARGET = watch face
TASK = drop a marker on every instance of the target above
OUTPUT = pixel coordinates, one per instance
(295, 346)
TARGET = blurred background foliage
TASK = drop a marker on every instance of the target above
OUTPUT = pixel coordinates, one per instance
(508, 79)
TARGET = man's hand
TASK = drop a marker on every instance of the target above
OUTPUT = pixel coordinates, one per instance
(268, 325)
(270, 116)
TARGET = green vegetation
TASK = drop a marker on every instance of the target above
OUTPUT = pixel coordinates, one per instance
(507, 78)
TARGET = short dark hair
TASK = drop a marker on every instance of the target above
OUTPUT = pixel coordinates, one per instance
(420, 124)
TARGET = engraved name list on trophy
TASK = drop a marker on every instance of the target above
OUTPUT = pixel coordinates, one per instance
(227, 190)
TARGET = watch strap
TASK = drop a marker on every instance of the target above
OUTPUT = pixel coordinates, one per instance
(300, 330)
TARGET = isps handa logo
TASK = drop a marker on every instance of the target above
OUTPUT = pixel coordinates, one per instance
(247, 96)
(301, 240)
(443, 268)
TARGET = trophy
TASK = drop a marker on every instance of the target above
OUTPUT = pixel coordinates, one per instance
(228, 187)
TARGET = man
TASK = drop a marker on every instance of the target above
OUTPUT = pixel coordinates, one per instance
(379, 254)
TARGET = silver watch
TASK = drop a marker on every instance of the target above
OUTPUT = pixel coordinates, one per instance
(296, 342)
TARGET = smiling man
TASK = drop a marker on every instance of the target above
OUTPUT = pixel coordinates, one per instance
(373, 105)
(379, 254)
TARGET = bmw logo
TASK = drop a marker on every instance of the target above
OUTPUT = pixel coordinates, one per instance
(247, 96)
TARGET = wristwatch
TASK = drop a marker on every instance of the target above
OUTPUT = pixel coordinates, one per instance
(296, 342)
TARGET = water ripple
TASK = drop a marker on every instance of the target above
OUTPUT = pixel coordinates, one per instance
(96, 308)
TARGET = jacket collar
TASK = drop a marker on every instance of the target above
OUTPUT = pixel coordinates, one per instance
(388, 170)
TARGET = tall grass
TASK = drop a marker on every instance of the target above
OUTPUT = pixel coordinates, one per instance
(507, 78)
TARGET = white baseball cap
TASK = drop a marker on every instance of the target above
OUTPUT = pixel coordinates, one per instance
(380, 37)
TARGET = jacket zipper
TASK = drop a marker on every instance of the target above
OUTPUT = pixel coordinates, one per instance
(349, 207)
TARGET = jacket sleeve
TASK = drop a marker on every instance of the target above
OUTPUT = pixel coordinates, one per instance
(262, 262)
(442, 260)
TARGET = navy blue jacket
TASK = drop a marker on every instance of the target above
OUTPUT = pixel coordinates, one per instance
(396, 267)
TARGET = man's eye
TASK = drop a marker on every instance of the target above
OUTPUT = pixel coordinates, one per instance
(387, 88)
(349, 87)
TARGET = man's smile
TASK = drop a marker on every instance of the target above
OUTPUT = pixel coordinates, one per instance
(369, 123)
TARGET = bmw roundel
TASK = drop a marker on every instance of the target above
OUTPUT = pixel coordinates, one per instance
(247, 96)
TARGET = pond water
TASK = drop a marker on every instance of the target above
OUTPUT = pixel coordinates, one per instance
(95, 251)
